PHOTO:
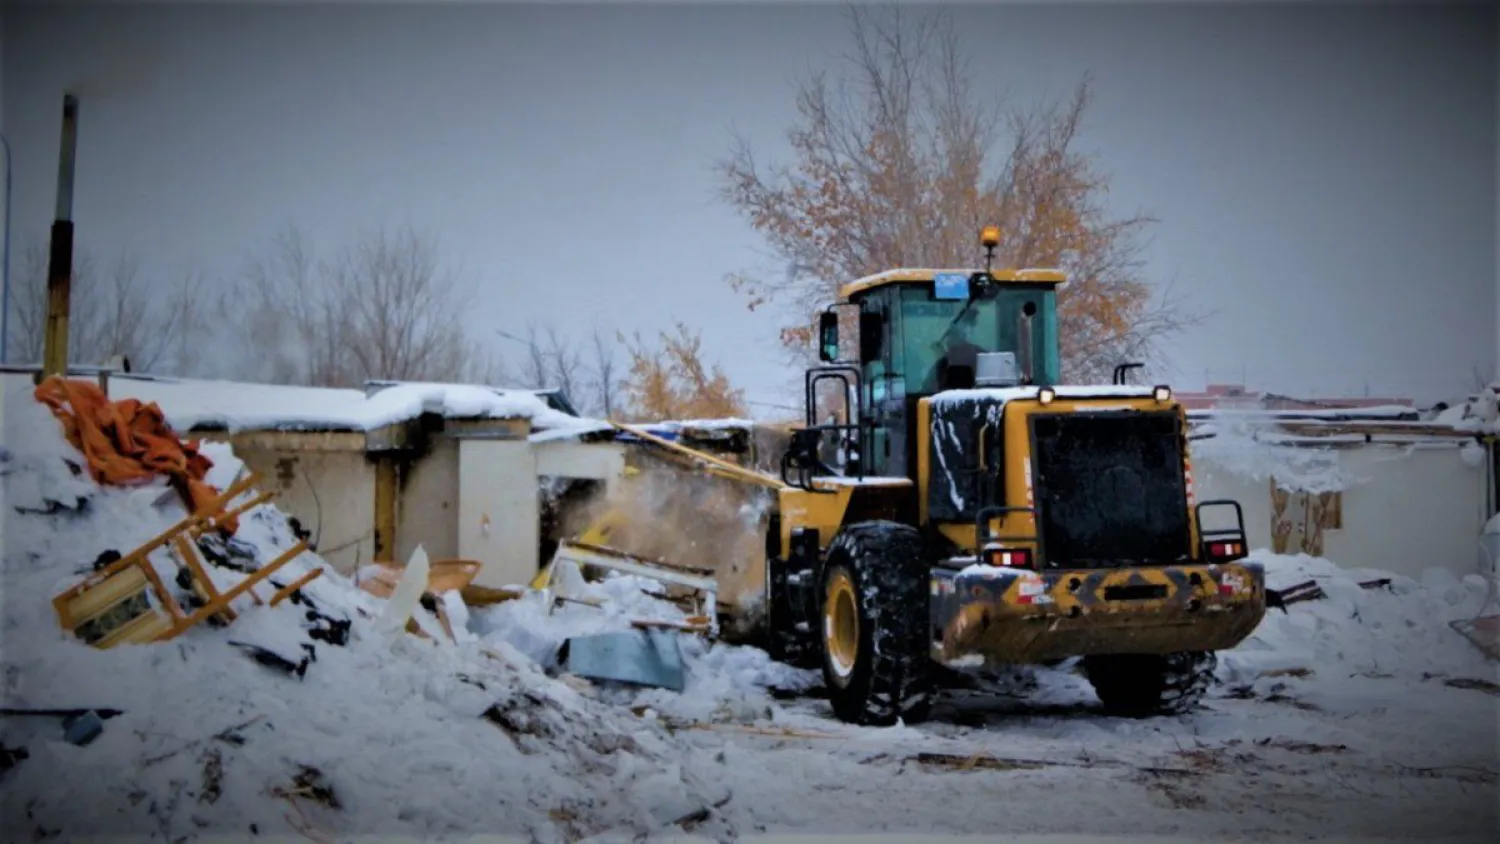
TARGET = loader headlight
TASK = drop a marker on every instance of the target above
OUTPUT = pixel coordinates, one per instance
(1045, 395)
(1162, 393)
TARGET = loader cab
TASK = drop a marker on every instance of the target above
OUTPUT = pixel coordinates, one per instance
(922, 332)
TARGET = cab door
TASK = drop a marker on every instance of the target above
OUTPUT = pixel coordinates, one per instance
(884, 387)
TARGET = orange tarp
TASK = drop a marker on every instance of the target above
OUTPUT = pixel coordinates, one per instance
(127, 442)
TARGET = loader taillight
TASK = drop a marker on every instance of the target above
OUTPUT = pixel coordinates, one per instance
(1016, 558)
(1224, 550)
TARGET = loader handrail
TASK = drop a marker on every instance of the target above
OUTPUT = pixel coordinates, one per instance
(1235, 534)
(849, 375)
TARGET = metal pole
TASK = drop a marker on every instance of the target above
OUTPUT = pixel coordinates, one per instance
(5, 271)
(60, 261)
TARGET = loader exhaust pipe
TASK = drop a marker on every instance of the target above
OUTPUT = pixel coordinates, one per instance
(1023, 341)
(60, 256)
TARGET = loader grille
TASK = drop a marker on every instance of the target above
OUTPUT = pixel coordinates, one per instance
(1110, 488)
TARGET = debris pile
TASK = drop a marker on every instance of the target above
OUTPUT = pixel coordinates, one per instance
(1328, 624)
(660, 663)
(290, 705)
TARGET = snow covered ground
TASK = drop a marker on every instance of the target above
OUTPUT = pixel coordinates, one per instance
(1336, 718)
(1359, 714)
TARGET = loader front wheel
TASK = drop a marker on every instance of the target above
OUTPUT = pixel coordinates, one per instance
(1143, 685)
(874, 625)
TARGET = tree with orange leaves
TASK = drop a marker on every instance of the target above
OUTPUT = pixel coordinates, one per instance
(899, 169)
(670, 381)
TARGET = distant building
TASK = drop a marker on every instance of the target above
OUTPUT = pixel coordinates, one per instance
(1236, 397)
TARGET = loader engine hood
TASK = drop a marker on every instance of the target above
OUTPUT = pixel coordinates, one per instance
(1104, 470)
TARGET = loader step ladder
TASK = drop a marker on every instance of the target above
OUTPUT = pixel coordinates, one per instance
(701, 581)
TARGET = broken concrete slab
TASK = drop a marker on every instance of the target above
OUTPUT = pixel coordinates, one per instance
(640, 657)
(82, 729)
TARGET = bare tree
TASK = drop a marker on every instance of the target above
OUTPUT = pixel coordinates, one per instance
(120, 311)
(606, 380)
(902, 162)
(590, 374)
(381, 308)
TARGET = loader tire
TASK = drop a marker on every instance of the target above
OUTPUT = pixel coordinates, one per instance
(1143, 685)
(873, 625)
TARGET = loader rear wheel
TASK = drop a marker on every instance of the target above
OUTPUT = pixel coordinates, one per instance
(874, 625)
(1142, 685)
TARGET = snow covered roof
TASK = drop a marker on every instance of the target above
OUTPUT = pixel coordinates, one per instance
(1479, 413)
(1006, 394)
(671, 429)
(191, 404)
(1329, 426)
(1380, 412)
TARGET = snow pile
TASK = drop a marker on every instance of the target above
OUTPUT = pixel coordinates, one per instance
(1235, 446)
(235, 406)
(1400, 631)
(679, 425)
(379, 735)
(1480, 413)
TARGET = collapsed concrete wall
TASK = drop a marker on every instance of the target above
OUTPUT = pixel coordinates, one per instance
(664, 511)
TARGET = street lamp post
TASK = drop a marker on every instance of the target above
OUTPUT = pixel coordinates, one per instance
(5, 270)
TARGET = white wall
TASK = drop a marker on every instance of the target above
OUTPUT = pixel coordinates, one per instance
(569, 459)
(332, 493)
(499, 509)
(1404, 511)
(427, 504)
(499, 514)
(1419, 509)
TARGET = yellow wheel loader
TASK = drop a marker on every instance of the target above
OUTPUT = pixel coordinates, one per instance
(973, 507)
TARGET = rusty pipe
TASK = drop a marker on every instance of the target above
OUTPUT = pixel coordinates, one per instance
(60, 256)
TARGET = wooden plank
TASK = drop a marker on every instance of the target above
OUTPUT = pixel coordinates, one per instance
(141, 630)
(442, 576)
(215, 522)
(483, 596)
(634, 558)
(288, 589)
(239, 589)
(663, 624)
(188, 555)
(117, 586)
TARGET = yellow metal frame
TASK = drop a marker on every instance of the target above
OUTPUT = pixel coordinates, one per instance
(827, 507)
(841, 623)
(1017, 480)
(920, 276)
(1041, 617)
(133, 575)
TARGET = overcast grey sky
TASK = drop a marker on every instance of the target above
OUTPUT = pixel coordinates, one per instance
(1325, 176)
